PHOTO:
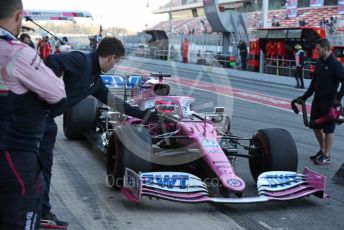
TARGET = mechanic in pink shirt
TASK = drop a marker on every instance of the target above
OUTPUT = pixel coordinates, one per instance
(28, 90)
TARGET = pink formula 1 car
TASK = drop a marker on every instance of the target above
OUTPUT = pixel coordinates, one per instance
(186, 156)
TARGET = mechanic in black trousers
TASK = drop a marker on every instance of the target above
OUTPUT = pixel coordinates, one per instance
(329, 72)
(27, 89)
(81, 74)
(242, 46)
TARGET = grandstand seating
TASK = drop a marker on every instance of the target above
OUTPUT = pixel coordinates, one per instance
(185, 26)
(171, 3)
(312, 16)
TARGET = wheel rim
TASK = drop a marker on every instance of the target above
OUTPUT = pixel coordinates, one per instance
(259, 163)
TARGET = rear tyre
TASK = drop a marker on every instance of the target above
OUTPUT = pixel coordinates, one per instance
(129, 147)
(276, 152)
(80, 118)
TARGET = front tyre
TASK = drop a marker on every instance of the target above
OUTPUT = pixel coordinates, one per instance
(129, 147)
(275, 151)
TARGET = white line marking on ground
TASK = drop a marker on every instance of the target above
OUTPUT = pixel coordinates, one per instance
(265, 225)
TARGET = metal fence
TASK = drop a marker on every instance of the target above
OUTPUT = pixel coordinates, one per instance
(202, 58)
(203, 39)
(286, 67)
(208, 39)
(275, 66)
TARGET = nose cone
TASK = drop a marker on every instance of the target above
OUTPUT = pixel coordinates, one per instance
(233, 183)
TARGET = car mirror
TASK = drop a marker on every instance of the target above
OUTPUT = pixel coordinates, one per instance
(218, 110)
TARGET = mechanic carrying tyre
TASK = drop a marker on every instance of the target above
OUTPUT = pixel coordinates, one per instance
(329, 72)
(81, 74)
(27, 89)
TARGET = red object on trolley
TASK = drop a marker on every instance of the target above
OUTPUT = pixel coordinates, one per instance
(273, 50)
(253, 57)
(315, 56)
(268, 48)
(338, 51)
(280, 49)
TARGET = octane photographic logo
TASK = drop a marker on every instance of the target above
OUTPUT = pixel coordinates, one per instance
(208, 84)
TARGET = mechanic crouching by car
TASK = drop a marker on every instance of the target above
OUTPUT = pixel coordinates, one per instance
(329, 72)
(81, 75)
(27, 89)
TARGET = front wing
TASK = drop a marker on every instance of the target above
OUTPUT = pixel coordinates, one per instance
(187, 188)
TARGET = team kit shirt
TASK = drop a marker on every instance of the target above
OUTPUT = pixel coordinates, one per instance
(28, 89)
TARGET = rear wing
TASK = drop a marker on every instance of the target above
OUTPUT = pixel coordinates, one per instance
(160, 75)
(124, 87)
